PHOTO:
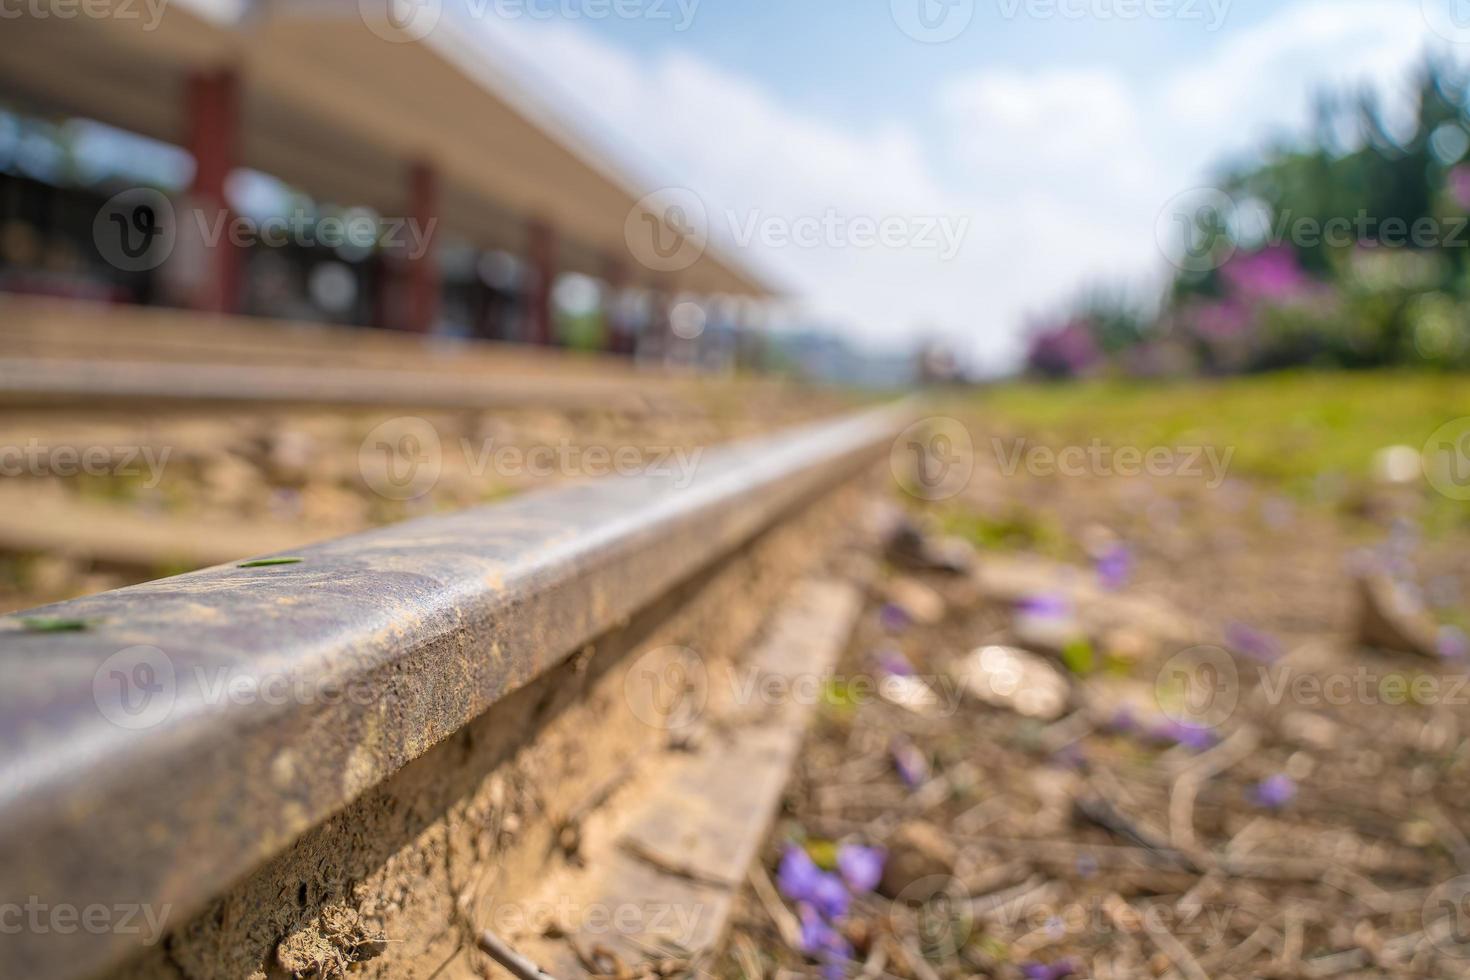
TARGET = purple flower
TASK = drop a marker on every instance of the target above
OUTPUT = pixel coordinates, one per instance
(817, 935)
(830, 895)
(1114, 566)
(1452, 643)
(1070, 756)
(1044, 605)
(1066, 351)
(1123, 720)
(861, 867)
(1459, 184)
(797, 874)
(1271, 274)
(912, 767)
(1274, 792)
(820, 941)
(1251, 642)
(1048, 971)
(892, 663)
(1195, 737)
(894, 618)
(800, 880)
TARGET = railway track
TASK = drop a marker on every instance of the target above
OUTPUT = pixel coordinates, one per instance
(367, 750)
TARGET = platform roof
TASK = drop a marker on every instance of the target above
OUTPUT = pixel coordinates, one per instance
(331, 107)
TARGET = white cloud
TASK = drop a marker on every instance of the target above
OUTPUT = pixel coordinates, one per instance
(1064, 168)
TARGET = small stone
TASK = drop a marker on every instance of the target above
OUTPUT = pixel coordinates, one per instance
(1130, 644)
(1310, 729)
(920, 863)
(1015, 679)
(1391, 617)
(922, 603)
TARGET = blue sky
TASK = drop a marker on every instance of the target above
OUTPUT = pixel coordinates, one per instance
(1048, 139)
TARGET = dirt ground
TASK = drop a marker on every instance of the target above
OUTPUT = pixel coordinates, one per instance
(94, 499)
(1144, 731)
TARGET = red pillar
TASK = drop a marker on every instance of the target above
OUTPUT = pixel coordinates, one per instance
(423, 269)
(541, 249)
(213, 113)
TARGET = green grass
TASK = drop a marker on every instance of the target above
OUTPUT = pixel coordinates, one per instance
(1288, 427)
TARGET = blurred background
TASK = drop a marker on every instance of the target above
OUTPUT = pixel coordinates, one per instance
(1186, 284)
(1062, 186)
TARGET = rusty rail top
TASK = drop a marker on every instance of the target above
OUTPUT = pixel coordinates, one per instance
(197, 725)
(31, 380)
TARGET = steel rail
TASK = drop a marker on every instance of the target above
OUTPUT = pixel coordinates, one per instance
(167, 748)
(45, 380)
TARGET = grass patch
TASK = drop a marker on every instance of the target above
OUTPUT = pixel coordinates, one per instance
(1291, 429)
